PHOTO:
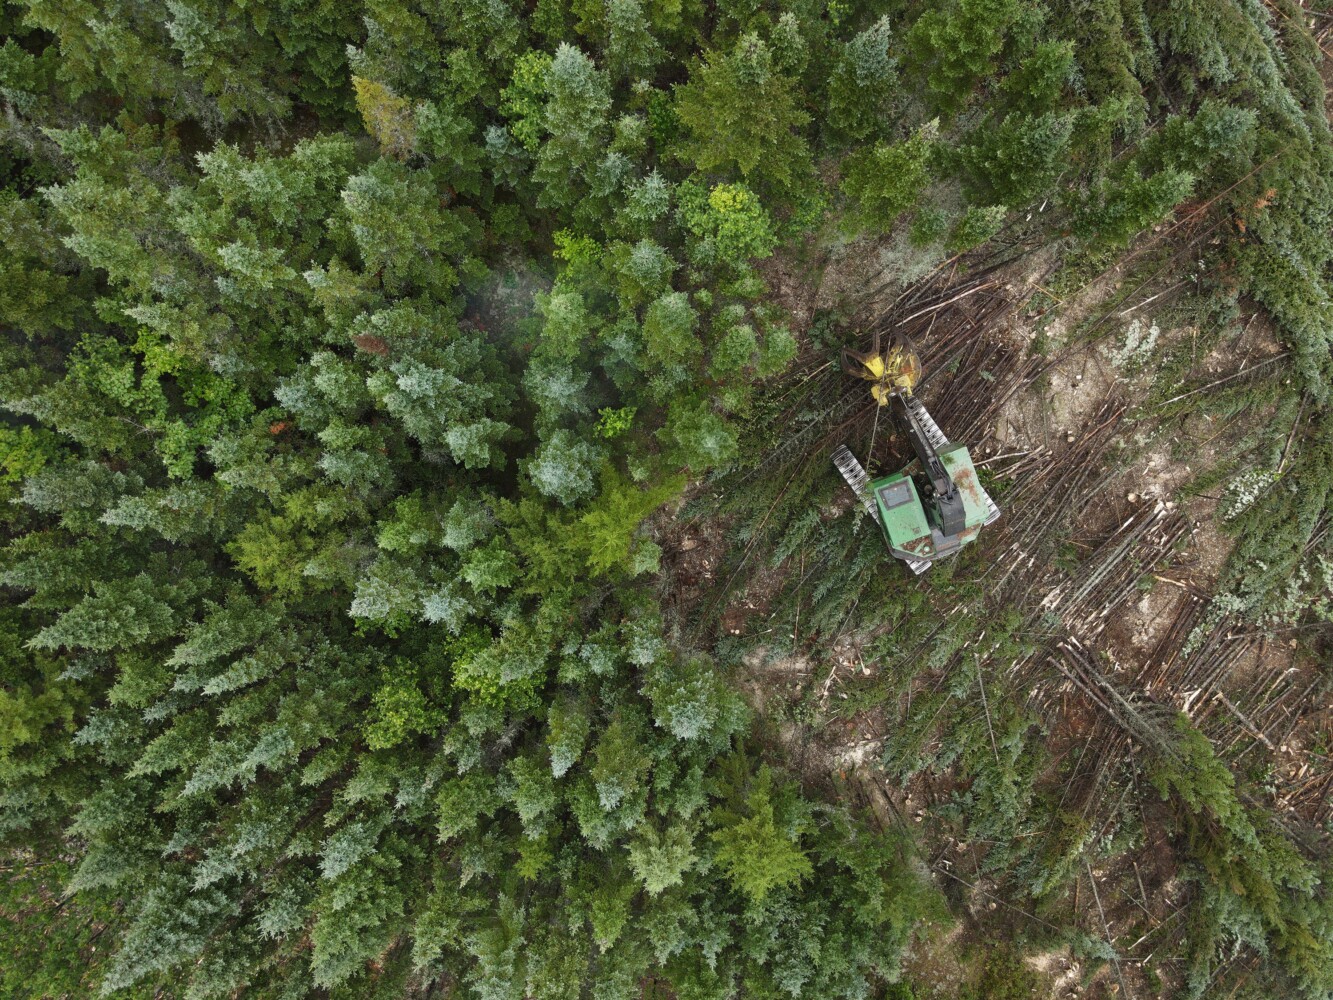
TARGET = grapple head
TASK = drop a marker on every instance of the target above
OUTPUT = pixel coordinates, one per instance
(894, 372)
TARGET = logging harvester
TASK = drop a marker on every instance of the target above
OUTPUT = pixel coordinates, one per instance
(935, 505)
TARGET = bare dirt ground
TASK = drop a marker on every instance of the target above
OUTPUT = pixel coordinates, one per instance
(1033, 392)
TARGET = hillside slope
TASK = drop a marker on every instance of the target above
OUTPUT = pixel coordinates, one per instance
(424, 576)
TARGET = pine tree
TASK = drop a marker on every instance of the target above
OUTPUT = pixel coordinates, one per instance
(758, 845)
(575, 119)
(742, 115)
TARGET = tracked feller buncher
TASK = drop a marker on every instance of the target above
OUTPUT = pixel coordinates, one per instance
(935, 505)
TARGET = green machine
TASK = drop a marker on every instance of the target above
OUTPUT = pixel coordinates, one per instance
(934, 506)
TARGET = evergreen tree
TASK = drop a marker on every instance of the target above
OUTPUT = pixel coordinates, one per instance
(862, 84)
(742, 115)
(575, 119)
(956, 47)
(885, 180)
(1010, 162)
(758, 840)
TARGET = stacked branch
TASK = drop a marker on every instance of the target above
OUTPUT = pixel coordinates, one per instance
(1107, 581)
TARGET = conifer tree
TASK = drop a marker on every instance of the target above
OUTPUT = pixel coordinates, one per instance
(742, 115)
(575, 119)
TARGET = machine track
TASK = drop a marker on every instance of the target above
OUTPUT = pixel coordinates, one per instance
(856, 477)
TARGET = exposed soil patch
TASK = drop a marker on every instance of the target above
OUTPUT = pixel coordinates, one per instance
(1080, 460)
(933, 964)
(794, 278)
(1051, 412)
(1063, 972)
(507, 298)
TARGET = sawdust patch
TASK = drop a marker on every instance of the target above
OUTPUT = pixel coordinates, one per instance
(1150, 617)
(1062, 972)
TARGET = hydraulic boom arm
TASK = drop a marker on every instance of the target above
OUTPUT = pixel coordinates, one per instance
(947, 504)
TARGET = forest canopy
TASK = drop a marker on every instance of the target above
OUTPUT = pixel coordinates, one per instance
(355, 353)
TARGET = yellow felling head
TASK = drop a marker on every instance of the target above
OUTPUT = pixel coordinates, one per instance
(896, 372)
(902, 368)
(874, 364)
